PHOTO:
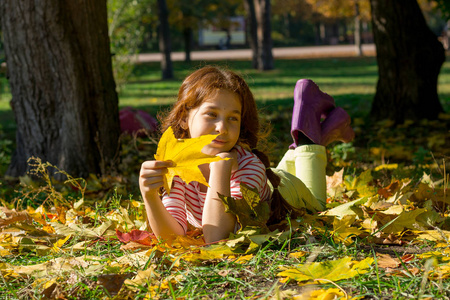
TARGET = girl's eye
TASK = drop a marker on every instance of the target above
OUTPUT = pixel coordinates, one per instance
(211, 114)
(234, 119)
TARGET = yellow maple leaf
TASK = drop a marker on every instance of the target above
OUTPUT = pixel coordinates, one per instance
(186, 155)
(335, 270)
(322, 294)
(342, 229)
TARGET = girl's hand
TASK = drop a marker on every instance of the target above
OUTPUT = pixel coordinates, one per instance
(151, 176)
(232, 161)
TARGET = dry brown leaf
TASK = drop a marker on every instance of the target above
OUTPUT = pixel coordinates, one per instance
(386, 261)
(9, 216)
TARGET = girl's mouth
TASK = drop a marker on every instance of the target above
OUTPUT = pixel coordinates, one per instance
(219, 142)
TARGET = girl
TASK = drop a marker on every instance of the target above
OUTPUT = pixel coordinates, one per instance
(218, 101)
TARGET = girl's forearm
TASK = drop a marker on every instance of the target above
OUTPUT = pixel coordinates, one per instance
(163, 224)
(217, 224)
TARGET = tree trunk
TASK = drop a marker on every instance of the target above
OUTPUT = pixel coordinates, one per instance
(252, 31)
(187, 34)
(259, 16)
(409, 60)
(165, 46)
(62, 85)
(263, 15)
(358, 44)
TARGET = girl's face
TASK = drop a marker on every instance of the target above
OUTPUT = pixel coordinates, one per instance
(218, 114)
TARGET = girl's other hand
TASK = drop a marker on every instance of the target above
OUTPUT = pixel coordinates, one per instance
(233, 159)
(151, 176)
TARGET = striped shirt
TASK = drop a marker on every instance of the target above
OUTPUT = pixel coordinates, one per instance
(185, 202)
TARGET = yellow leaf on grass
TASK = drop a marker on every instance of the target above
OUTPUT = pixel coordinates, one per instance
(244, 259)
(57, 246)
(361, 183)
(433, 235)
(332, 293)
(335, 270)
(142, 277)
(298, 254)
(405, 220)
(342, 229)
(186, 154)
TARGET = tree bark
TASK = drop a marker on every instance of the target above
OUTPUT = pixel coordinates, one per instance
(187, 35)
(263, 16)
(409, 60)
(165, 45)
(357, 34)
(62, 85)
(259, 15)
(252, 31)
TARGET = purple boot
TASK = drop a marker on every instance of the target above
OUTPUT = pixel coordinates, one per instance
(336, 127)
(310, 106)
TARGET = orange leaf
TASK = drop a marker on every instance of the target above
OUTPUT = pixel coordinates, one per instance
(137, 236)
(389, 190)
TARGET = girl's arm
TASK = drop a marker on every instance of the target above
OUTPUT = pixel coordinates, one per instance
(163, 224)
(217, 224)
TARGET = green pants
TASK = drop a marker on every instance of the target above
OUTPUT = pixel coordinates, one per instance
(303, 178)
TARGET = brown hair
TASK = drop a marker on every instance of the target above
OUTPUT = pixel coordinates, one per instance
(205, 82)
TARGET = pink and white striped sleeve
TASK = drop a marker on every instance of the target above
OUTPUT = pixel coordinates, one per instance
(175, 202)
(253, 173)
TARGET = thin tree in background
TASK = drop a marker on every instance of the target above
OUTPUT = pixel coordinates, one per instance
(259, 16)
(165, 45)
(63, 91)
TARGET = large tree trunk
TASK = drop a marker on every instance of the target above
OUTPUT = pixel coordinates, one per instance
(165, 46)
(259, 12)
(409, 60)
(62, 85)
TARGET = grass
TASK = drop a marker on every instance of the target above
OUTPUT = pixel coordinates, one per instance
(352, 82)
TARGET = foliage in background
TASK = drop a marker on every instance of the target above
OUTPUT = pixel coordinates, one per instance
(127, 22)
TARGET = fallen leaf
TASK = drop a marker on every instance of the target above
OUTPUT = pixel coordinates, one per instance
(342, 229)
(361, 183)
(406, 219)
(329, 294)
(186, 154)
(297, 254)
(57, 246)
(137, 236)
(142, 277)
(335, 270)
(386, 261)
(389, 191)
(9, 216)
(250, 210)
(346, 208)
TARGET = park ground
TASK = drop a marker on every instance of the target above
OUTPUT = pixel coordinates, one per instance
(384, 234)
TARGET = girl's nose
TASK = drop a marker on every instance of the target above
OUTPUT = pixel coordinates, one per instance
(221, 127)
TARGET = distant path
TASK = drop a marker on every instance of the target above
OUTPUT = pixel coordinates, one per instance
(287, 52)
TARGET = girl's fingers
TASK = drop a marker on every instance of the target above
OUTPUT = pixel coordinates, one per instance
(156, 164)
(153, 182)
(153, 172)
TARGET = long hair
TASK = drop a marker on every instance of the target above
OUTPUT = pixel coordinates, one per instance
(205, 82)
